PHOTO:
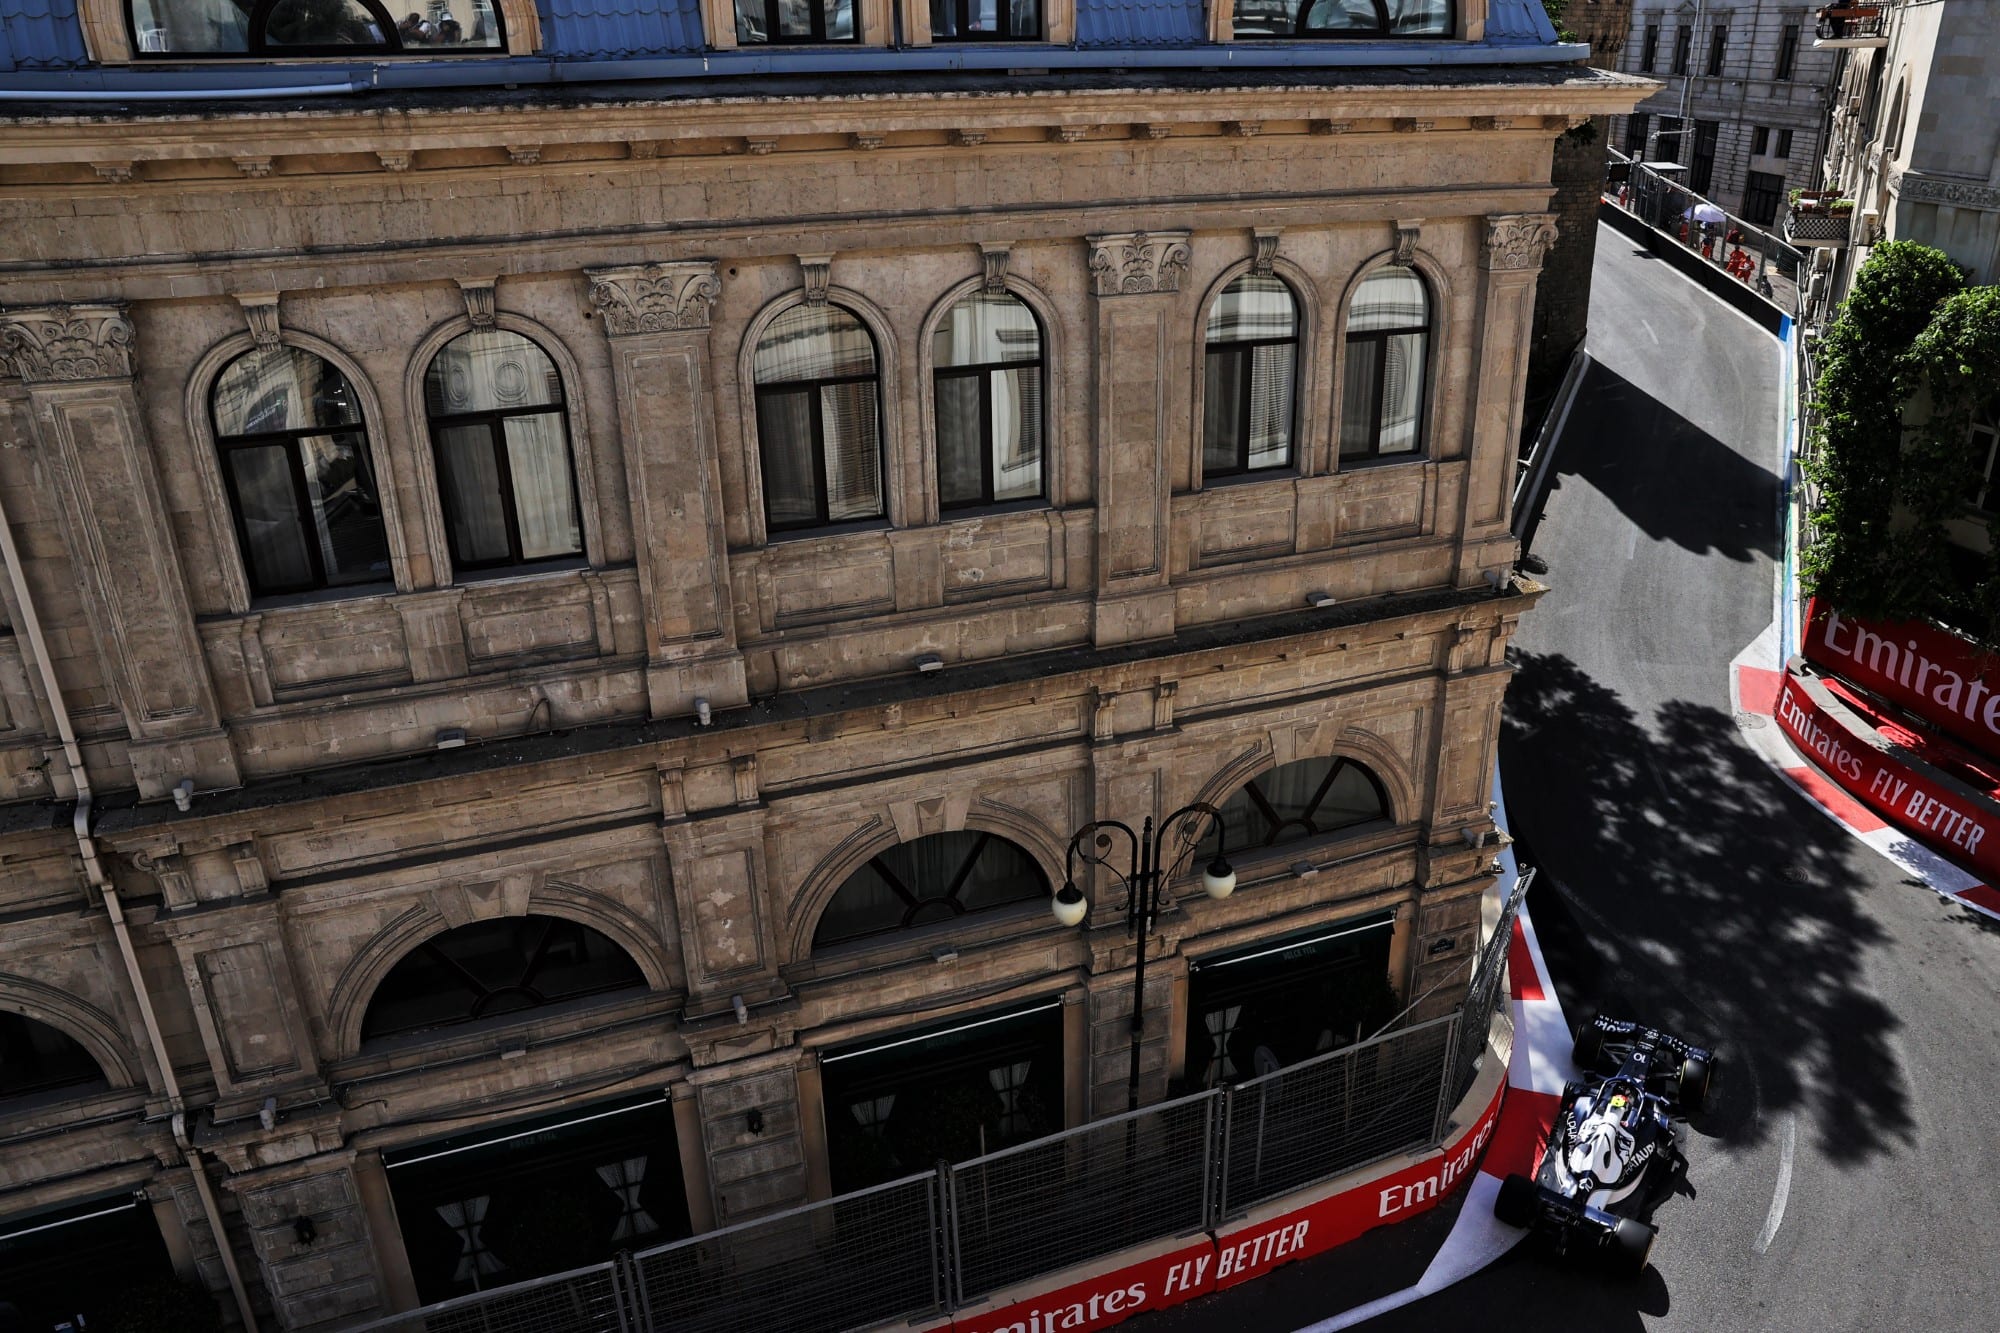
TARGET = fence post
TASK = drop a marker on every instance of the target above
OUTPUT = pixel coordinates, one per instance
(1225, 1103)
(953, 1276)
(628, 1295)
(1445, 1077)
(1208, 1181)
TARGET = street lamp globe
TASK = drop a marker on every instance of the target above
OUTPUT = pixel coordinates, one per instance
(1219, 880)
(1069, 904)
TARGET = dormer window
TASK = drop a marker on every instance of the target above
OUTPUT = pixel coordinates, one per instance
(1343, 18)
(295, 28)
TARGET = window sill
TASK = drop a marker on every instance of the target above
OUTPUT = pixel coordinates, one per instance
(830, 530)
(520, 573)
(970, 512)
(346, 592)
(1228, 479)
(1366, 462)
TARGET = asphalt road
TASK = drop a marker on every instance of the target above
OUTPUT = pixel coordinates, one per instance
(1849, 1171)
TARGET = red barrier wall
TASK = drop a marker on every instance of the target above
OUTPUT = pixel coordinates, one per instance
(1950, 682)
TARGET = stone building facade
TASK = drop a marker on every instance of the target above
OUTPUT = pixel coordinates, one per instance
(363, 842)
(1744, 101)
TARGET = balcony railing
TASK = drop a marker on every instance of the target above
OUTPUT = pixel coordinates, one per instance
(1817, 220)
(1852, 25)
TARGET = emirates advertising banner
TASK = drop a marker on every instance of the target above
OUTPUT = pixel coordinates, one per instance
(1935, 675)
(1248, 1250)
(1947, 818)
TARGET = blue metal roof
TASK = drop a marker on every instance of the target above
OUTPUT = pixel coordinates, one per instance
(619, 29)
(40, 34)
(588, 40)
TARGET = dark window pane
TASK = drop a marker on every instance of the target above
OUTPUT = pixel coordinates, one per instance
(795, 18)
(1350, 799)
(274, 536)
(839, 16)
(490, 370)
(1222, 409)
(322, 23)
(205, 27)
(1024, 19)
(544, 495)
(36, 1058)
(853, 451)
(469, 481)
(959, 477)
(1420, 17)
(1784, 143)
(944, 18)
(1298, 801)
(1341, 16)
(1017, 434)
(750, 22)
(982, 16)
(1256, 18)
(347, 511)
(928, 880)
(281, 388)
(499, 967)
(1358, 398)
(786, 445)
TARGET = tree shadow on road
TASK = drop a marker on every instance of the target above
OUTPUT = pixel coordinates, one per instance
(1693, 889)
(1651, 485)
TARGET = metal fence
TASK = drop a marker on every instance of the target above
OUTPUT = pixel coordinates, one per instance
(930, 1244)
(1665, 204)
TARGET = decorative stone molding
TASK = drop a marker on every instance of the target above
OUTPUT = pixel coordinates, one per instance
(1137, 262)
(115, 172)
(1264, 250)
(1332, 126)
(1517, 240)
(1407, 232)
(1152, 130)
(1412, 125)
(759, 147)
(654, 298)
(867, 142)
(57, 344)
(1492, 122)
(970, 138)
(995, 255)
(643, 149)
(815, 272)
(525, 154)
(260, 313)
(479, 300)
(253, 166)
(392, 160)
(1243, 129)
(1920, 187)
(1066, 133)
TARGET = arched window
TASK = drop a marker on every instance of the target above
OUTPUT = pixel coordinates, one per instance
(493, 968)
(1302, 800)
(819, 437)
(312, 28)
(1252, 364)
(937, 878)
(501, 438)
(1388, 348)
(295, 463)
(1343, 18)
(36, 1058)
(987, 376)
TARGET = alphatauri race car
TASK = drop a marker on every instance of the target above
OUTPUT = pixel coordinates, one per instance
(1613, 1155)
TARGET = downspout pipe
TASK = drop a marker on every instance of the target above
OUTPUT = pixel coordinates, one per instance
(93, 870)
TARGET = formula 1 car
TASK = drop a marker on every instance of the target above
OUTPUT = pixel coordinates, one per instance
(1613, 1155)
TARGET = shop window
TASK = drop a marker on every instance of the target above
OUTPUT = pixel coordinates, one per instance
(1252, 357)
(36, 1059)
(938, 878)
(1388, 348)
(819, 434)
(286, 28)
(987, 383)
(788, 22)
(1300, 801)
(94, 1263)
(295, 463)
(986, 20)
(495, 969)
(1343, 18)
(500, 436)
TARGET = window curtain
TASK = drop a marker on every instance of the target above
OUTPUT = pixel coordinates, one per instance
(469, 477)
(1357, 398)
(1222, 407)
(544, 495)
(959, 477)
(1017, 434)
(1271, 405)
(785, 444)
(354, 548)
(853, 451)
(274, 544)
(1402, 392)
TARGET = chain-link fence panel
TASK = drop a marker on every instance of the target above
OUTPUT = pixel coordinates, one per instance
(1335, 1113)
(1487, 995)
(583, 1301)
(861, 1259)
(1062, 1200)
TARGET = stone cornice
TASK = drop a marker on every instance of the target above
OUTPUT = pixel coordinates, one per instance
(654, 298)
(59, 344)
(1919, 187)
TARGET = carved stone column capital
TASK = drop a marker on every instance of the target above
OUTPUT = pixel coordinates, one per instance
(654, 298)
(1137, 262)
(58, 344)
(1517, 240)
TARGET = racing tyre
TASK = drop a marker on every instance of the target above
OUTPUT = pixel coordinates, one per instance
(1516, 1204)
(1630, 1245)
(1589, 1047)
(1691, 1089)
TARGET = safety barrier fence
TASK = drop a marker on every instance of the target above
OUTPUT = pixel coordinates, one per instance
(1665, 204)
(930, 1244)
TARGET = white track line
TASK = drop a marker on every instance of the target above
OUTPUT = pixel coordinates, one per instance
(1776, 1217)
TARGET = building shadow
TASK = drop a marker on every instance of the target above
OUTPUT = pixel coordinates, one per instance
(1708, 899)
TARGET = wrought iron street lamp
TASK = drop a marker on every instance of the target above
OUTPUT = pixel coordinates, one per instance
(1154, 854)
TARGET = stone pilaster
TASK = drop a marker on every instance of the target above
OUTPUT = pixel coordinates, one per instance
(1136, 277)
(1509, 262)
(656, 318)
(77, 364)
